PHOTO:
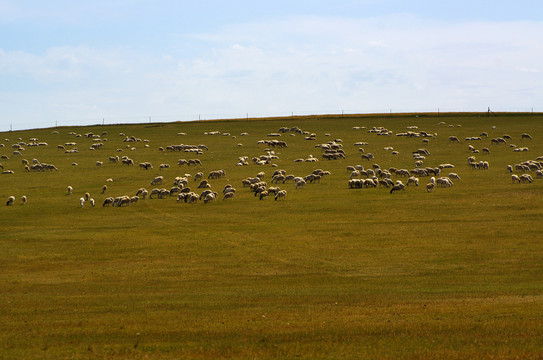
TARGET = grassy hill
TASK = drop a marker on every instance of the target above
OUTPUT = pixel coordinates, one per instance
(330, 272)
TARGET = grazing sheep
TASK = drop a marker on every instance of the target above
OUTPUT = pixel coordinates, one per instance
(277, 178)
(412, 180)
(81, 202)
(198, 176)
(210, 197)
(204, 184)
(355, 174)
(10, 201)
(163, 193)
(444, 182)
(454, 176)
(140, 191)
(24, 199)
(526, 136)
(104, 188)
(263, 194)
(92, 202)
(114, 159)
(526, 178)
(398, 186)
(299, 184)
(121, 200)
(509, 168)
(70, 190)
(146, 165)
(258, 188)
(192, 198)
(159, 180)
(386, 182)
(454, 139)
(87, 196)
(108, 201)
(430, 187)
(228, 195)
(289, 177)
(154, 191)
(99, 163)
(281, 194)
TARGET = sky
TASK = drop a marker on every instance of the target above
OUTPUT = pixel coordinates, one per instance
(65, 62)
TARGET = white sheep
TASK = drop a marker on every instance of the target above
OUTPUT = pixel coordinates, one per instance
(299, 183)
(228, 195)
(104, 188)
(412, 180)
(228, 188)
(159, 180)
(454, 176)
(526, 178)
(144, 193)
(70, 190)
(92, 202)
(444, 182)
(24, 199)
(198, 176)
(10, 201)
(354, 174)
(397, 187)
(210, 197)
(281, 194)
(515, 178)
(454, 139)
(81, 202)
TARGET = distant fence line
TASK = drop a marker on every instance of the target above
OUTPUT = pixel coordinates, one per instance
(247, 115)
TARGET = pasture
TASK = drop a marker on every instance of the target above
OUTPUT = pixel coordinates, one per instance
(330, 272)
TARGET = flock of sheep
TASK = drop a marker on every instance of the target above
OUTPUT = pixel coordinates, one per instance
(360, 177)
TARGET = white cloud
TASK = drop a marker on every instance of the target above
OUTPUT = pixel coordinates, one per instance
(302, 64)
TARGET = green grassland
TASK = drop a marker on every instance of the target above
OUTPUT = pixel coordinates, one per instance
(328, 273)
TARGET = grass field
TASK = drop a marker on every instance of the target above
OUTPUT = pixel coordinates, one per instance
(328, 273)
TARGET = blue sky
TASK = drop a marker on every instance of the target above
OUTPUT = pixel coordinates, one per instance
(78, 62)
